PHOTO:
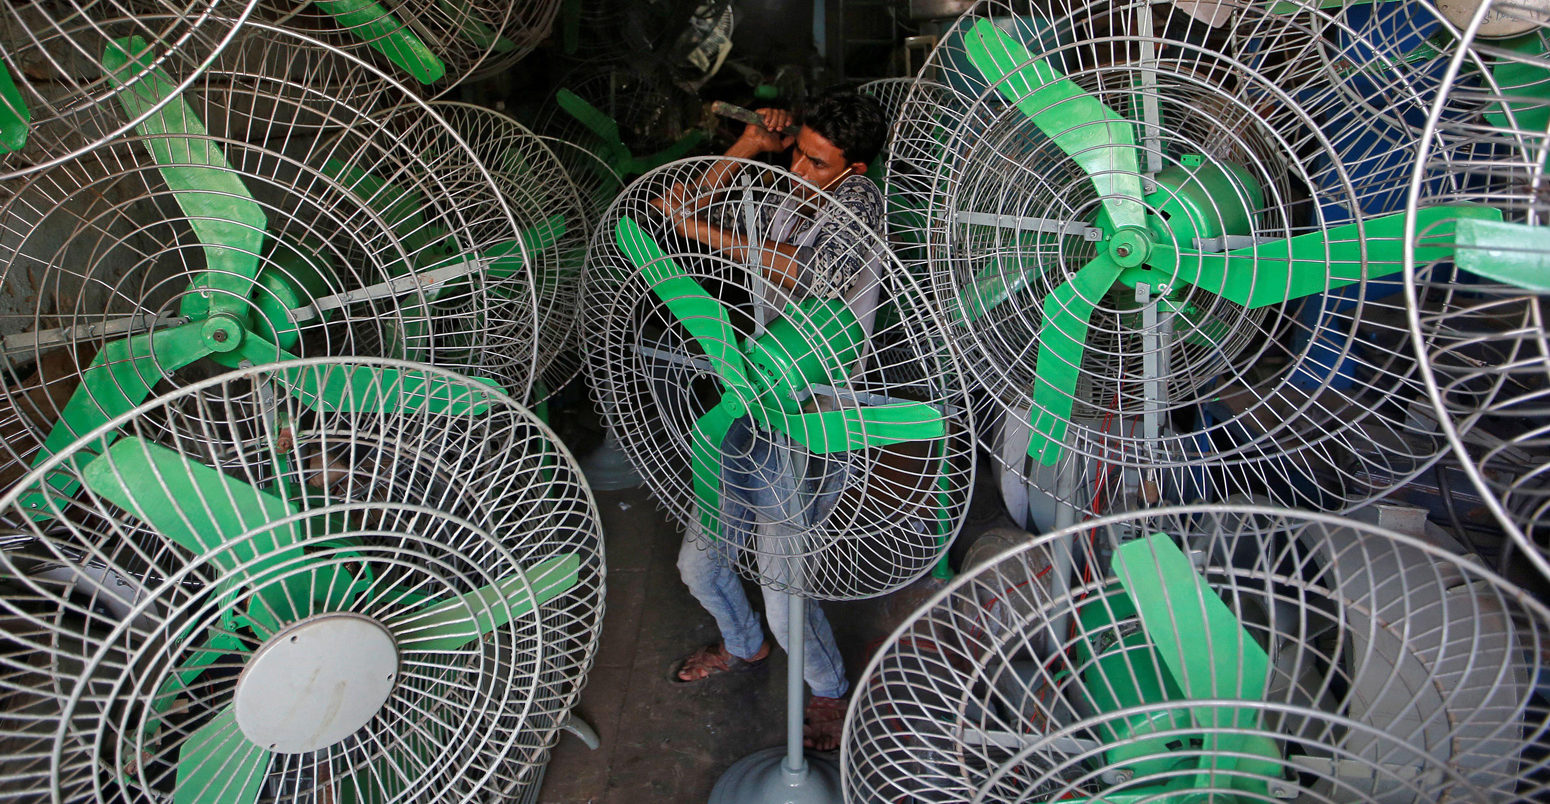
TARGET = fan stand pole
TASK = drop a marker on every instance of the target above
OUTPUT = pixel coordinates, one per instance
(1062, 554)
(785, 774)
(1156, 343)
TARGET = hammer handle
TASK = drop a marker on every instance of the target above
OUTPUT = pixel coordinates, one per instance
(738, 113)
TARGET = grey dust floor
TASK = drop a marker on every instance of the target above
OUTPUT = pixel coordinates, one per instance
(666, 742)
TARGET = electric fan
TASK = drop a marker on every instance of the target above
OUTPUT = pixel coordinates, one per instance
(727, 391)
(621, 31)
(230, 230)
(1159, 265)
(52, 72)
(595, 181)
(432, 44)
(257, 595)
(597, 185)
(1478, 324)
(634, 118)
(538, 191)
(1226, 653)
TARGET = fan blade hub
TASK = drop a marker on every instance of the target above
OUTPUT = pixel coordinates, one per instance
(734, 405)
(316, 682)
(222, 333)
(816, 341)
(1130, 246)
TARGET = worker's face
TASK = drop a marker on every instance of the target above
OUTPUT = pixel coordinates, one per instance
(818, 161)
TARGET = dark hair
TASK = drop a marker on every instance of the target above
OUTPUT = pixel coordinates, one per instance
(854, 122)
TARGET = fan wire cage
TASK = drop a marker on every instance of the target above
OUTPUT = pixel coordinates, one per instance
(1227, 653)
(694, 342)
(1477, 316)
(250, 589)
(251, 219)
(1165, 240)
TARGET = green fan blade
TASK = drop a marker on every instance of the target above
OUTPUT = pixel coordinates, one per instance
(829, 431)
(1096, 137)
(202, 510)
(318, 586)
(506, 258)
(1526, 88)
(369, 22)
(218, 206)
(1209, 654)
(447, 626)
(119, 378)
(616, 153)
(375, 389)
(705, 465)
(207, 512)
(1062, 342)
(1511, 253)
(217, 764)
(475, 31)
(1198, 639)
(992, 286)
(1282, 270)
(704, 317)
(544, 235)
(15, 117)
(678, 150)
(400, 209)
(219, 644)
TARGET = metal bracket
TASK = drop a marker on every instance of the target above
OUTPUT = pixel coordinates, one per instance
(1026, 224)
(1212, 245)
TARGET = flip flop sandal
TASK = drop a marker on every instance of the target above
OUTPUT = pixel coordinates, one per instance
(716, 661)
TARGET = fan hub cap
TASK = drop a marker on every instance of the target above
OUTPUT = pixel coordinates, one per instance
(1130, 246)
(221, 333)
(316, 682)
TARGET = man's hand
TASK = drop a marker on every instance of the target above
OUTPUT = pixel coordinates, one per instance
(765, 139)
(678, 204)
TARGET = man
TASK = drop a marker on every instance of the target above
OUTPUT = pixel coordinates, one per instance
(808, 252)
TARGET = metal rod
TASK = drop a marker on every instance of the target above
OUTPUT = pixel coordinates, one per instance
(1023, 223)
(1061, 560)
(1156, 343)
(796, 608)
(32, 342)
(424, 281)
(794, 466)
(1151, 115)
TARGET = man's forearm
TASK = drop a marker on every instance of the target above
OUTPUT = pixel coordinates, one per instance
(778, 260)
(721, 172)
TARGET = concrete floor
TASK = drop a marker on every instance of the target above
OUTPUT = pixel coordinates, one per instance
(665, 742)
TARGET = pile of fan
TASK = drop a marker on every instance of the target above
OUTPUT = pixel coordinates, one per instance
(1232, 283)
(275, 523)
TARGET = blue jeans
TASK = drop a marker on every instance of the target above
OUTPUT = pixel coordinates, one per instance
(757, 484)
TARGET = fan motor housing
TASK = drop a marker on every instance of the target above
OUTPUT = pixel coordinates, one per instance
(317, 682)
(815, 342)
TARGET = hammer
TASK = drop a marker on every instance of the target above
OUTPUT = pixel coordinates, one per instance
(738, 113)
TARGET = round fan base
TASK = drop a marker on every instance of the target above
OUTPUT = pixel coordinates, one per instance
(607, 468)
(762, 778)
(315, 683)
